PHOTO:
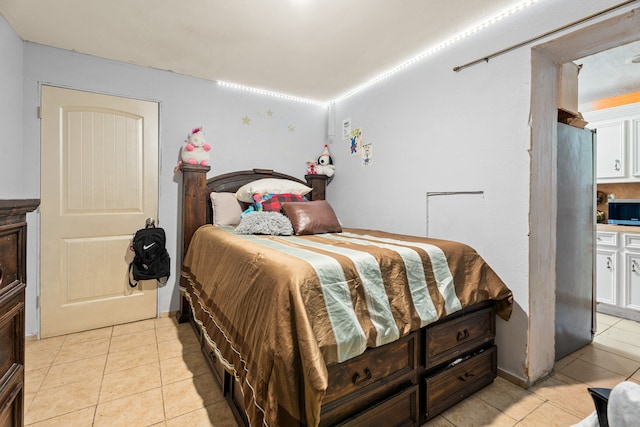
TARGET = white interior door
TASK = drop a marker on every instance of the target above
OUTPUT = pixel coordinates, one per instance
(99, 173)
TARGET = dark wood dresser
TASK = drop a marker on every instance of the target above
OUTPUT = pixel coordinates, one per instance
(13, 255)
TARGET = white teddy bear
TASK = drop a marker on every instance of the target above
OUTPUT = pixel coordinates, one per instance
(195, 150)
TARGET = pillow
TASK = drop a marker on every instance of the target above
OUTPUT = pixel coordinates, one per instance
(226, 209)
(270, 185)
(312, 217)
(272, 223)
(273, 202)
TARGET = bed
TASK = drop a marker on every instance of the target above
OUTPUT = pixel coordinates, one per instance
(326, 326)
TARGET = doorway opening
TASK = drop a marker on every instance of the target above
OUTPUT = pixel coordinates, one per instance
(545, 59)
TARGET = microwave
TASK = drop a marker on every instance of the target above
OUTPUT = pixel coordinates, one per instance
(624, 212)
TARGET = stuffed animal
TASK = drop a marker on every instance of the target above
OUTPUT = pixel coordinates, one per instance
(311, 168)
(325, 163)
(195, 150)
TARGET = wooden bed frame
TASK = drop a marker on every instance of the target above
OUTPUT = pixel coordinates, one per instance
(406, 382)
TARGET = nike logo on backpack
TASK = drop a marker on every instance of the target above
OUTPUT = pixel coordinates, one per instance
(145, 247)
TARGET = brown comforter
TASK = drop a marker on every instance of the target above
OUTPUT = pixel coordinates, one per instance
(278, 310)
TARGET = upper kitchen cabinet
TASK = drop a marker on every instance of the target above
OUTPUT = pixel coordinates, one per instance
(618, 143)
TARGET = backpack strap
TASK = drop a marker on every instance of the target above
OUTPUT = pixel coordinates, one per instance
(131, 284)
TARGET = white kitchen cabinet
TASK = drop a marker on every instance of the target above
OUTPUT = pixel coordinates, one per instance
(634, 138)
(606, 267)
(618, 273)
(611, 150)
(617, 143)
(631, 297)
(606, 272)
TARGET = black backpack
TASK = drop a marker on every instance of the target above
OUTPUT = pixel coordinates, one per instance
(151, 259)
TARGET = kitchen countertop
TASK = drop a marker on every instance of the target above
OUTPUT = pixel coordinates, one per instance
(614, 227)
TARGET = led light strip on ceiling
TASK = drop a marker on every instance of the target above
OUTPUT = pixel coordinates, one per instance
(272, 94)
(392, 71)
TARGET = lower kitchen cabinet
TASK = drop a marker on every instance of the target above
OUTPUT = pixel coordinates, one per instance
(631, 297)
(618, 273)
(606, 274)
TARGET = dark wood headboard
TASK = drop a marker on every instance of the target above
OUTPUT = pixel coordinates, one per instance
(196, 200)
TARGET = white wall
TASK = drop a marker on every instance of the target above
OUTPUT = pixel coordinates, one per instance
(436, 130)
(433, 129)
(185, 103)
(11, 70)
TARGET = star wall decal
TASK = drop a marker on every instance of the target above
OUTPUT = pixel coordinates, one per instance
(270, 113)
(246, 120)
(291, 128)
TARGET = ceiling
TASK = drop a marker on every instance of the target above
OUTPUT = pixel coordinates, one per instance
(609, 73)
(316, 49)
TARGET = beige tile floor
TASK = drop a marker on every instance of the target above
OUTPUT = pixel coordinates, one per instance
(148, 373)
(151, 373)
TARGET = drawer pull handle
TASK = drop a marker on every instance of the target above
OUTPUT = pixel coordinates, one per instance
(356, 380)
(466, 377)
(0, 274)
(462, 335)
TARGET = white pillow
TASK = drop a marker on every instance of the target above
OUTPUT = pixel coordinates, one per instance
(226, 209)
(270, 185)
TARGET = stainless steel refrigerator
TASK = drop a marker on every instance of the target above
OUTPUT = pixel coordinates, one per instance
(576, 232)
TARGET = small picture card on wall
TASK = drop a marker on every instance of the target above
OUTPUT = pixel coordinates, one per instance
(356, 141)
(367, 154)
(346, 129)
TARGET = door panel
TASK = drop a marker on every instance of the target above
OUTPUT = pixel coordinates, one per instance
(99, 184)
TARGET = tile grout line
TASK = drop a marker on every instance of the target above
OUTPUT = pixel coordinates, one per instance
(104, 370)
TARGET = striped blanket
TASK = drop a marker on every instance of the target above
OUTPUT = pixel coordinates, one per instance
(277, 310)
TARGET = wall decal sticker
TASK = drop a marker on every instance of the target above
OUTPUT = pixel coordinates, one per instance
(367, 154)
(346, 129)
(356, 141)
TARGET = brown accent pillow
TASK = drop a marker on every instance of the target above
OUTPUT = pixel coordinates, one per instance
(312, 217)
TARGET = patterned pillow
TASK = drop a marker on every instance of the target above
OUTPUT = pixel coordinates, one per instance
(273, 202)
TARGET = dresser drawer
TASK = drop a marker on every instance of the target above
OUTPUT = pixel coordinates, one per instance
(11, 255)
(453, 384)
(446, 341)
(376, 365)
(11, 328)
(11, 399)
(397, 411)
